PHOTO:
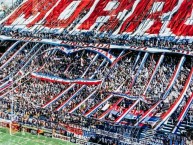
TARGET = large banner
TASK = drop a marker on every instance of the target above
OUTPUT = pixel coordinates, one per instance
(61, 137)
(106, 54)
(55, 79)
(127, 96)
(134, 17)
(73, 44)
(6, 85)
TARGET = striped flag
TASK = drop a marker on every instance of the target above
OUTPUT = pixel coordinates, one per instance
(6, 85)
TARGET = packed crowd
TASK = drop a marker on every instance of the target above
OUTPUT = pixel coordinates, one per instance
(94, 37)
(45, 103)
(6, 8)
(102, 32)
(174, 93)
(139, 87)
(2, 9)
(173, 96)
(130, 86)
(60, 121)
(162, 78)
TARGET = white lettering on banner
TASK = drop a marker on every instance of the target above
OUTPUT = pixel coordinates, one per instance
(100, 51)
(48, 134)
(105, 46)
(136, 17)
(69, 10)
(79, 141)
(34, 132)
(59, 136)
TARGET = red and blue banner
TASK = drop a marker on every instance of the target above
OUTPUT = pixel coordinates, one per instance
(55, 79)
(106, 54)
(127, 96)
(177, 102)
(134, 17)
(6, 85)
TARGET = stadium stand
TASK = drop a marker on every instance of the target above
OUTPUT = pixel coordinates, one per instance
(106, 72)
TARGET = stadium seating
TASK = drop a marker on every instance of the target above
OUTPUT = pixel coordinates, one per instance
(55, 86)
(132, 22)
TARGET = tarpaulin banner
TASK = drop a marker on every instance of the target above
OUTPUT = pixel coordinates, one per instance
(56, 79)
(74, 44)
(106, 54)
(130, 97)
(6, 85)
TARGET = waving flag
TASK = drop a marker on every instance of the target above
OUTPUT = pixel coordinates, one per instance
(106, 54)
(130, 97)
(56, 79)
(6, 85)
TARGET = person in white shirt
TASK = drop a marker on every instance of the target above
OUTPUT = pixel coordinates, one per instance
(2, 9)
